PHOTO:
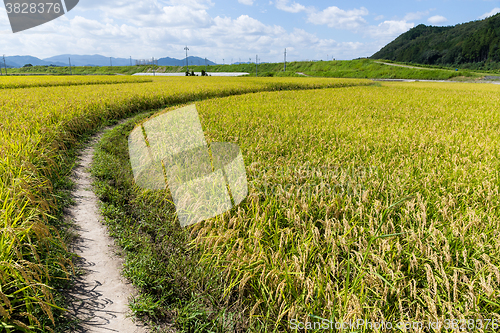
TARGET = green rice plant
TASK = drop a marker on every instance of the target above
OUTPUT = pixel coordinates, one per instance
(23, 278)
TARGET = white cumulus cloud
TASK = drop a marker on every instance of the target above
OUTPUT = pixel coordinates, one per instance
(437, 19)
(493, 12)
(334, 17)
(292, 8)
(160, 28)
(389, 29)
(416, 15)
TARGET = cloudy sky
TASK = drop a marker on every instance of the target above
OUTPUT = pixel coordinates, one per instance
(235, 29)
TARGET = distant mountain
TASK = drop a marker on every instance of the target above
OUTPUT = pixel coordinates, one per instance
(20, 61)
(472, 42)
(7, 63)
(95, 60)
(193, 61)
(89, 60)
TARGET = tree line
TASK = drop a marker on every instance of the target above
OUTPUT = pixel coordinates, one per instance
(475, 42)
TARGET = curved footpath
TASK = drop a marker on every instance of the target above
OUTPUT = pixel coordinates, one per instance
(100, 296)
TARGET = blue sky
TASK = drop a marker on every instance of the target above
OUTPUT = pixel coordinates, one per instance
(233, 30)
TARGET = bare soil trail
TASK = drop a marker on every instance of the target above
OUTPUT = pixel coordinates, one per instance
(398, 65)
(100, 296)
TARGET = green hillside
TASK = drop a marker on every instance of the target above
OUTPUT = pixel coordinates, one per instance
(475, 42)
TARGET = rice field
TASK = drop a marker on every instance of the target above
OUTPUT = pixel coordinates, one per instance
(12, 82)
(39, 128)
(372, 203)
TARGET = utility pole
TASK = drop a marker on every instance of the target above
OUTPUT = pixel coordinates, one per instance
(70, 73)
(154, 74)
(110, 62)
(256, 70)
(5, 65)
(130, 61)
(284, 68)
(187, 65)
(205, 64)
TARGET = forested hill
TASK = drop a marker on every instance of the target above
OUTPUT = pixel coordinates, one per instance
(471, 42)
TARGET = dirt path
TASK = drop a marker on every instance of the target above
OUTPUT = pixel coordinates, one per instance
(101, 295)
(398, 65)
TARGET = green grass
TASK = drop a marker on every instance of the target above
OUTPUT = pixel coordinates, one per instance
(361, 68)
(377, 203)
